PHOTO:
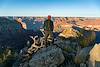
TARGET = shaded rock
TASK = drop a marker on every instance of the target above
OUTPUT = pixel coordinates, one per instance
(47, 57)
(87, 39)
(69, 47)
(25, 64)
(82, 65)
(95, 56)
(82, 55)
(63, 44)
(69, 52)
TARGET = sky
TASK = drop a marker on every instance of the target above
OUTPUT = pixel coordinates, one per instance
(66, 8)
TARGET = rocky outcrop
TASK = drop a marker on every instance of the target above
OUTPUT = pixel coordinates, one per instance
(95, 56)
(47, 57)
(83, 37)
(70, 33)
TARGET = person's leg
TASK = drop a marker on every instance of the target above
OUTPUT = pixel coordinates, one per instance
(46, 36)
(51, 35)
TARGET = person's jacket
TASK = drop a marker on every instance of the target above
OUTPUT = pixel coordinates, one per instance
(48, 25)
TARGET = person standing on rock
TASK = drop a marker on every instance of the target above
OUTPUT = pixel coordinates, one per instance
(48, 29)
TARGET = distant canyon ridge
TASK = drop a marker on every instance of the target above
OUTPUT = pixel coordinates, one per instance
(60, 23)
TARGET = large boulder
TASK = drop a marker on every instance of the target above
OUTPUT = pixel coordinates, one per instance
(47, 57)
(94, 60)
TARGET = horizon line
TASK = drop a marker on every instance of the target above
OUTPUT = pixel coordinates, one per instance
(46, 16)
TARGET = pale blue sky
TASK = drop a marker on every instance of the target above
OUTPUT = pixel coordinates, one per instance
(73, 8)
